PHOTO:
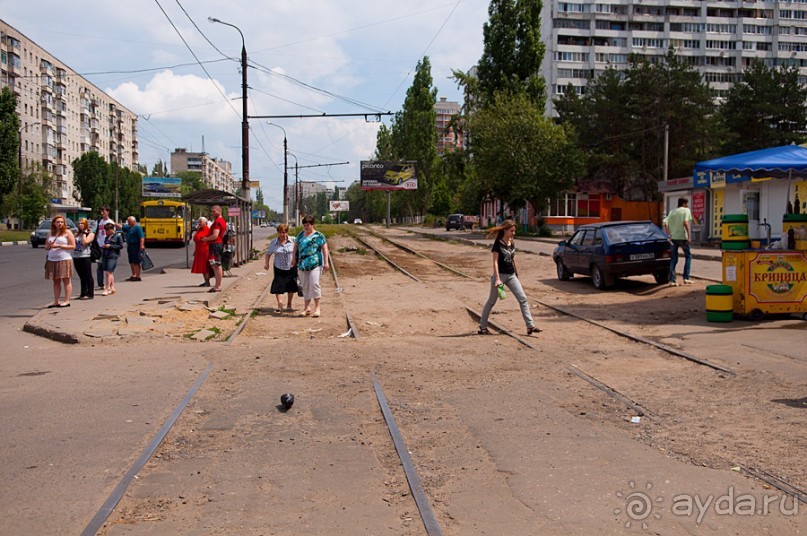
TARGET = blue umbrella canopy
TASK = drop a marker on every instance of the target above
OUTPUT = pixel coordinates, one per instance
(772, 162)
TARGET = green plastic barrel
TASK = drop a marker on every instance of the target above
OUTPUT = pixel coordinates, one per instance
(719, 303)
(734, 232)
(797, 222)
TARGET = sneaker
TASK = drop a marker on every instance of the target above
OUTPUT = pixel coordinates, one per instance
(483, 331)
(672, 284)
(687, 281)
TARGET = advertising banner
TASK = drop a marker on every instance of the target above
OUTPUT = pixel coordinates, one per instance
(339, 206)
(162, 187)
(385, 175)
(778, 277)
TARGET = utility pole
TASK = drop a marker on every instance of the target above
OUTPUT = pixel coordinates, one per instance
(285, 173)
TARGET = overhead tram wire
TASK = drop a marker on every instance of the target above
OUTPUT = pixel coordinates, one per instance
(212, 81)
(202, 33)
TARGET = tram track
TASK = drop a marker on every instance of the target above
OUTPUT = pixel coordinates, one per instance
(427, 278)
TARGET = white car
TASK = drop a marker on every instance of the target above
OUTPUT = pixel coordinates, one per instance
(357, 221)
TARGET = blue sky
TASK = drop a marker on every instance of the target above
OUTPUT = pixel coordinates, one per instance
(363, 51)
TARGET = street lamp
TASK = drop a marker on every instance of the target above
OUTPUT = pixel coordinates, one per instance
(285, 173)
(244, 120)
(19, 137)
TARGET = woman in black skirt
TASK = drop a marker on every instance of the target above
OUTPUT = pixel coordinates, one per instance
(285, 281)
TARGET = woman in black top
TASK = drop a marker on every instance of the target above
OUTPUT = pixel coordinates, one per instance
(505, 274)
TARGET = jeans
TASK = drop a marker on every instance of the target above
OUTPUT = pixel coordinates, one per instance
(674, 259)
(510, 281)
(83, 266)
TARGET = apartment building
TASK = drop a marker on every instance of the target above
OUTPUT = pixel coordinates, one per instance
(62, 115)
(216, 173)
(718, 38)
(447, 138)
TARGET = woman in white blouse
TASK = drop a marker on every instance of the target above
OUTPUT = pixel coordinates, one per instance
(285, 275)
(59, 266)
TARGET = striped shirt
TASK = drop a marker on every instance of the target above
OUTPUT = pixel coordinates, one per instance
(284, 253)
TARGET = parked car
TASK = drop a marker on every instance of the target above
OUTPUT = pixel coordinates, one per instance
(357, 221)
(454, 221)
(607, 251)
(41, 233)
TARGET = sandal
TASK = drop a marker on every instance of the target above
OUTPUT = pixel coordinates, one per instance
(533, 329)
(483, 331)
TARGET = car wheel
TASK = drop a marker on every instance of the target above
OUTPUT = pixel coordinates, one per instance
(757, 315)
(563, 273)
(598, 278)
(662, 278)
(34, 245)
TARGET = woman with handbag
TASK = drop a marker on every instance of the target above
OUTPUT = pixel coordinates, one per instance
(310, 258)
(82, 259)
(113, 244)
(505, 273)
(285, 275)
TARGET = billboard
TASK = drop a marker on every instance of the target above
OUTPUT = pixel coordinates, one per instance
(339, 206)
(385, 175)
(162, 187)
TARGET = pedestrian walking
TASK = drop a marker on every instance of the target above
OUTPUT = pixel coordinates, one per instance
(310, 258)
(678, 226)
(285, 274)
(59, 264)
(505, 273)
(82, 260)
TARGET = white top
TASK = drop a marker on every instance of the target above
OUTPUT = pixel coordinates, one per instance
(284, 253)
(59, 254)
(81, 251)
(99, 231)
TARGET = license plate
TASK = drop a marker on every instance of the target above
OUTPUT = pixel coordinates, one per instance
(642, 256)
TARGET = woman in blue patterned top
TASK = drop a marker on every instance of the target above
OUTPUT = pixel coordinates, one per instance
(310, 257)
(285, 280)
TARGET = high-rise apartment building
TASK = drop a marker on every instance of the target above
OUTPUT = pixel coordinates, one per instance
(447, 138)
(718, 38)
(216, 173)
(62, 115)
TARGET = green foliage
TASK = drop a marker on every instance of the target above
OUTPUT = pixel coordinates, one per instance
(520, 155)
(513, 52)
(160, 169)
(96, 182)
(621, 122)
(767, 108)
(9, 142)
(31, 202)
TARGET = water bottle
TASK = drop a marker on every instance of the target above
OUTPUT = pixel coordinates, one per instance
(502, 295)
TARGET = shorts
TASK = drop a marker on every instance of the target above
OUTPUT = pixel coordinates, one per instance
(134, 255)
(216, 249)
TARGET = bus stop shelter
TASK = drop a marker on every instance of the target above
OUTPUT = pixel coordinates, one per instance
(236, 210)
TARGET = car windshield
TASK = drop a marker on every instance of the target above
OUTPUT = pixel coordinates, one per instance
(44, 225)
(634, 232)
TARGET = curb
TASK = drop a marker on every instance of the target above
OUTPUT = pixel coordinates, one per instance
(16, 243)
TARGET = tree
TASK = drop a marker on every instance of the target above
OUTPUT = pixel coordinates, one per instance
(9, 142)
(160, 169)
(766, 109)
(520, 155)
(31, 202)
(97, 182)
(191, 181)
(512, 54)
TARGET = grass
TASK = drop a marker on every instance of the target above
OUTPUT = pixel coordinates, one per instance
(14, 236)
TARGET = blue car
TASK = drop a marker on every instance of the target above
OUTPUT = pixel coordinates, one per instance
(610, 250)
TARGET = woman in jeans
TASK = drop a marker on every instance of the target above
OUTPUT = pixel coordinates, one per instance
(82, 260)
(505, 273)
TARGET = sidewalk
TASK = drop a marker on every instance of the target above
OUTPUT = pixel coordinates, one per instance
(75, 324)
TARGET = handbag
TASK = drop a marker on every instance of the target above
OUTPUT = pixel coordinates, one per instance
(145, 261)
(95, 251)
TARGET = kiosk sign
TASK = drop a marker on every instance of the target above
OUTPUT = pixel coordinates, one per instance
(779, 277)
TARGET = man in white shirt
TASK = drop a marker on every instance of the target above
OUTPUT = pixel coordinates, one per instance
(99, 237)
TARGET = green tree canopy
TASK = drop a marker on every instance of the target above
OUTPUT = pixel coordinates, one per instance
(521, 156)
(767, 108)
(9, 142)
